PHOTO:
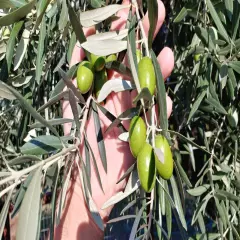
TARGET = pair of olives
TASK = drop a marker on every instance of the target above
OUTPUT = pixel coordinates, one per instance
(147, 161)
(95, 69)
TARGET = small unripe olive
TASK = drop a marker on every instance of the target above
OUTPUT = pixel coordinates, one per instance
(146, 74)
(99, 79)
(197, 57)
(165, 168)
(98, 62)
(137, 135)
(84, 78)
(139, 55)
(146, 167)
(111, 58)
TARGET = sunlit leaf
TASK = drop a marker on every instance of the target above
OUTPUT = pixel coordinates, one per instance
(17, 14)
(114, 85)
(105, 47)
(29, 211)
(41, 145)
(93, 17)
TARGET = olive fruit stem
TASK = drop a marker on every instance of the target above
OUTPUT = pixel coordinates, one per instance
(144, 38)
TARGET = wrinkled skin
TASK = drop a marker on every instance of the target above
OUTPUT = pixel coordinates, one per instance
(76, 222)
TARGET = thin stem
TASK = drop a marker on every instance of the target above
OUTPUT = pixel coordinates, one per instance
(144, 38)
(56, 157)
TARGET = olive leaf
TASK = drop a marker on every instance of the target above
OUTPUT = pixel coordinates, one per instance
(104, 47)
(93, 17)
(114, 85)
(17, 14)
(117, 35)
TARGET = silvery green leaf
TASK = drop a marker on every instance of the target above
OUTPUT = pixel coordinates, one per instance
(121, 218)
(99, 136)
(20, 81)
(124, 136)
(177, 202)
(119, 67)
(5, 93)
(41, 145)
(132, 186)
(23, 159)
(130, 169)
(4, 212)
(114, 85)
(93, 17)
(16, 15)
(136, 222)
(21, 48)
(217, 20)
(40, 50)
(117, 35)
(198, 190)
(5, 174)
(29, 211)
(55, 121)
(11, 42)
(104, 47)
(63, 16)
(63, 194)
(126, 115)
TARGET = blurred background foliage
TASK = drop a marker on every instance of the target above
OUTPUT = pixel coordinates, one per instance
(37, 38)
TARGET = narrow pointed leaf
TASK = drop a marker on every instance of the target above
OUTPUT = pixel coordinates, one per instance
(93, 17)
(100, 140)
(152, 6)
(114, 85)
(104, 47)
(41, 145)
(29, 212)
(40, 50)
(17, 14)
(217, 20)
(161, 95)
(30, 109)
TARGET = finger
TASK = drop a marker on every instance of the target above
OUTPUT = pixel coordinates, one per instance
(123, 16)
(161, 17)
(166, 61)
(78, 53)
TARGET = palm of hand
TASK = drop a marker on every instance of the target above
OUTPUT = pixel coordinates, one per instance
(118, 153)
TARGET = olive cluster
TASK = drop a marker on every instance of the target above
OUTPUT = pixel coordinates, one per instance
(93, 72)
(147, 161)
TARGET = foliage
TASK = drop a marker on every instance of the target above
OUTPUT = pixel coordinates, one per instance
(36, 45)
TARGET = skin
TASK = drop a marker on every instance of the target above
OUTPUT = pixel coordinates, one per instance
(76, 221)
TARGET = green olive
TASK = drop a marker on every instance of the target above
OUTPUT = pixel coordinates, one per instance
(139, 55)
(165, 168)
(137, 135)
(100, 79)
(84, 78)
(98, 62)
(146, 167)
(197, 57)
(111, 58)
(146, 74)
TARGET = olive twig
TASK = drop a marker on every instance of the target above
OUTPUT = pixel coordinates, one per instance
(144, 38)
(52, 159)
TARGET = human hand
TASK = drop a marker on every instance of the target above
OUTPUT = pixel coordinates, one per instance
(76, 221)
